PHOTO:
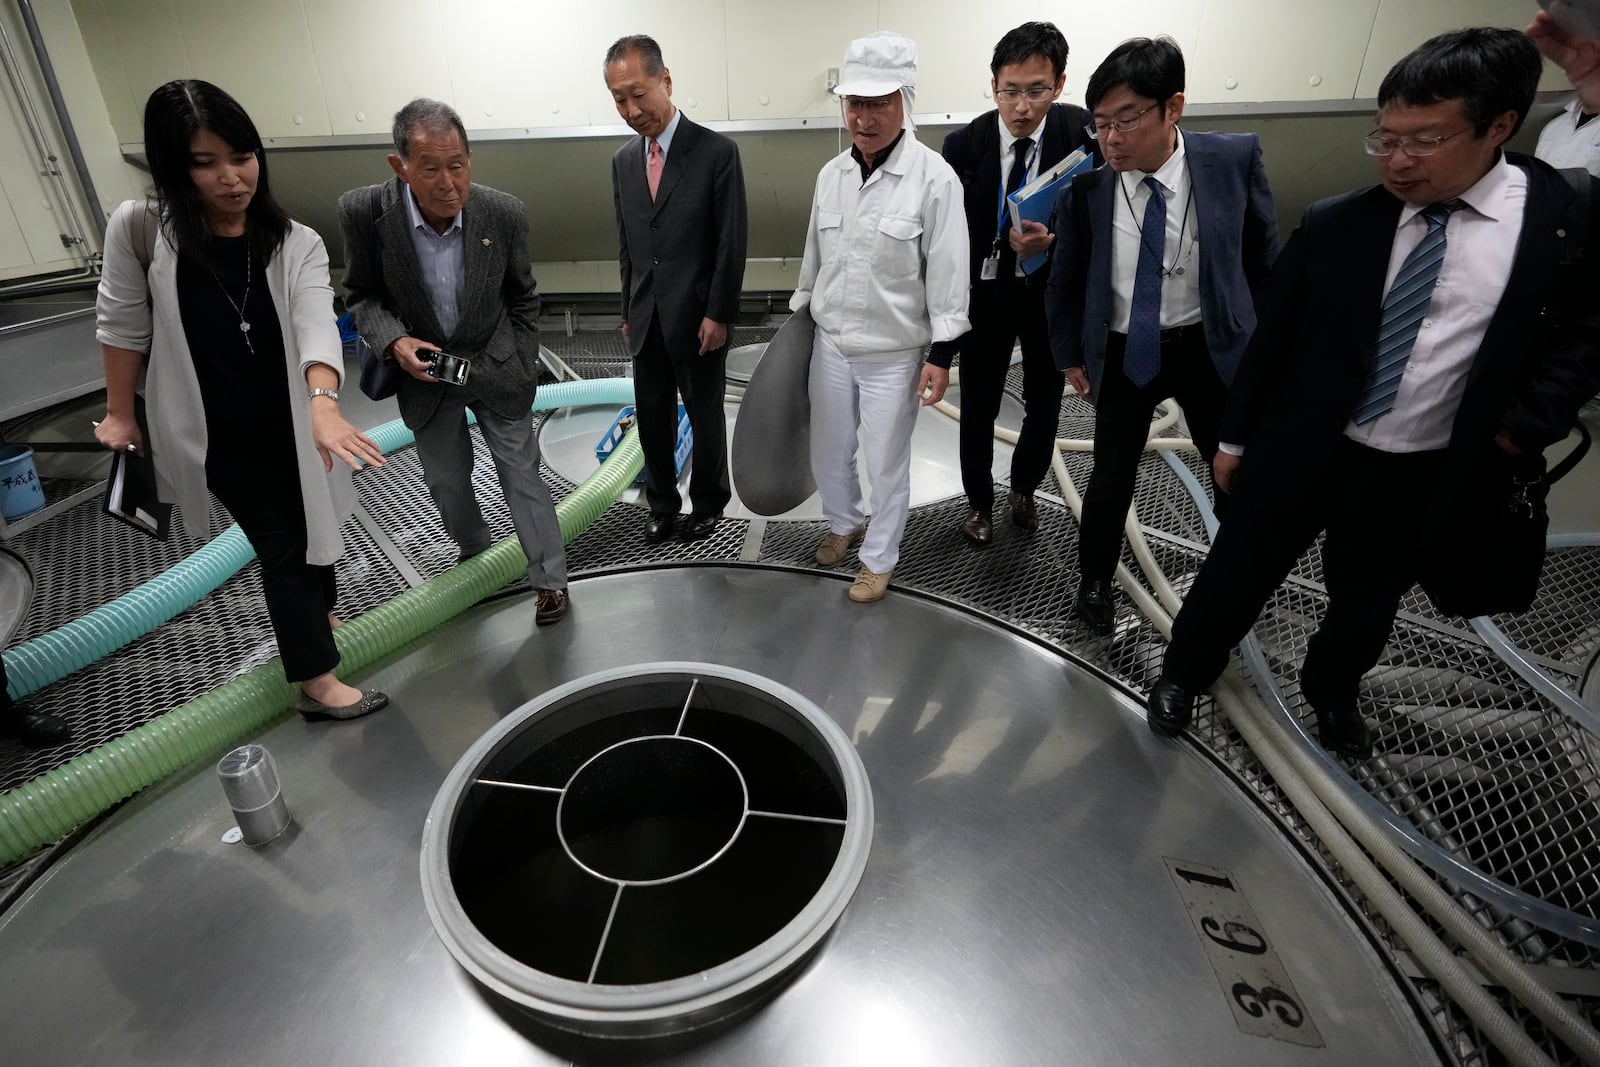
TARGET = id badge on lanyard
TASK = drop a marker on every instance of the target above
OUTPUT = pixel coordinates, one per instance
(989, 269)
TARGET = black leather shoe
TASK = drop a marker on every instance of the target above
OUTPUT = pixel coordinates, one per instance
(1345, 733)
(35, 729)
(658, 527)
(1095, 608)
(1169, 707)
(1024, 513)
(700, 526)
(978, 529)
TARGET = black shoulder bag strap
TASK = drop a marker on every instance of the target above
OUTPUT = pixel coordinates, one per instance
(985, 125)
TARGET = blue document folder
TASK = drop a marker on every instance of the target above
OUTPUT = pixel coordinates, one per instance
(1037, 199)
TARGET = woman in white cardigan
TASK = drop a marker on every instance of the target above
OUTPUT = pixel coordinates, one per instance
(223, 302)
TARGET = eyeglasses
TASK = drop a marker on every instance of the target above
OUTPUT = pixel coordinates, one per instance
(1036, 94)
(869, 103)
(1416, 147)
(1127, 125)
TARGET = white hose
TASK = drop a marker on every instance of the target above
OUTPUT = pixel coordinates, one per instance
(1313, 793)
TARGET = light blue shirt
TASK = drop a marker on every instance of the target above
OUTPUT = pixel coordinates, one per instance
(442, 260)
(665, 140)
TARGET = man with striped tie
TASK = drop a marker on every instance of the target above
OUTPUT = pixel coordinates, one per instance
(1422, 342)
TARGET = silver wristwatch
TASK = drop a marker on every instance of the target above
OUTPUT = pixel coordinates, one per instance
(313, 394)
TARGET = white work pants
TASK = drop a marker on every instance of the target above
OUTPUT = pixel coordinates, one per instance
(879, 400)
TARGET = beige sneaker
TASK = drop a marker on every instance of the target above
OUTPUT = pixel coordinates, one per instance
(869, 586)
(834, 546)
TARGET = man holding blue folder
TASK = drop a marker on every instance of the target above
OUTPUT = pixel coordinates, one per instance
(1161, 261)
(1026, 135)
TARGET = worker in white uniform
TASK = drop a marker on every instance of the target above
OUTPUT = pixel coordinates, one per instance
(886, 274)
(1572, 138)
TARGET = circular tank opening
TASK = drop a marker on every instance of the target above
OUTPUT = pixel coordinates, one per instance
(648, 849)
(651, 810)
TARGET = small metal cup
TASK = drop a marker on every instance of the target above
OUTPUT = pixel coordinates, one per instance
(250, 782)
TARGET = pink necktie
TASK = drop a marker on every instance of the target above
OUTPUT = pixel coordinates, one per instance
(652, 169)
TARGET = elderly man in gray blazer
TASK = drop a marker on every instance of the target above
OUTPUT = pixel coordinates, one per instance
(424, 273)
(681, 226)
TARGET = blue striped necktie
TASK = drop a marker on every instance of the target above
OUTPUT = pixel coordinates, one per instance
(1403, 311)
(1141, 360)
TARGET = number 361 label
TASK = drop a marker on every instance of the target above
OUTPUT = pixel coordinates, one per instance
(1253, 978)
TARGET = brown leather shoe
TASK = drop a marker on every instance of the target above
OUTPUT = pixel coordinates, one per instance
(1024, 514)
(550, 606)
(978, 529)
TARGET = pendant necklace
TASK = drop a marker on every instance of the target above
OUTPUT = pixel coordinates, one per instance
(240, 305)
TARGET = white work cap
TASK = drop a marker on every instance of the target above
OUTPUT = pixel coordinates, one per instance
(878, 64)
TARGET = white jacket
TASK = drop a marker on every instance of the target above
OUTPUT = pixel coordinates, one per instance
(141, 314)
(886, 263)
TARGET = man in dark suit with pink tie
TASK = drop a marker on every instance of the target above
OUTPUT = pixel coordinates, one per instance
(681, 229)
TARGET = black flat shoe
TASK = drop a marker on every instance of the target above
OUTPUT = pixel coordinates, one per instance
(370, 701)
(658, 527)
(700, 526)
(1345, 733)
(1095, 607)
(1169, 708)
(35, 729)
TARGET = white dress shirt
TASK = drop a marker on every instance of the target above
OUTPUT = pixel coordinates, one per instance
(1564, 143)
(442, 259)
(1008, 153)
(1180, 293)
(1480, 244)
(885, 269)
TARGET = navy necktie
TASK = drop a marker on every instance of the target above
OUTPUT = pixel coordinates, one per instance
(1014, 180)
(1403, 311)
(1141, 360)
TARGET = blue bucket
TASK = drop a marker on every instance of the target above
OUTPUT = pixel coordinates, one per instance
(20, 491)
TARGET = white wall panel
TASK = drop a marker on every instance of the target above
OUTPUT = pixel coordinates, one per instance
(1401, 25)
(26, 225)
(955, 41)
(370, 63)
(143, 38)
(694, 41)
(780, 53)
(1250, 50)
(1093, 30)
(260, 52)
(515, 64)
(99, 34)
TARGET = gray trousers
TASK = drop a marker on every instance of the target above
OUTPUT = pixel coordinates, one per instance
(445, 449)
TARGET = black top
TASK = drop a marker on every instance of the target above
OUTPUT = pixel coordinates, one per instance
(244, 384)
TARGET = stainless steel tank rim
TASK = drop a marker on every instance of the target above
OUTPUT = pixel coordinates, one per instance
(651, 1003)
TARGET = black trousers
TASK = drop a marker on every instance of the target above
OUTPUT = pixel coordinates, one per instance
(1372, 554)
(262, 493)
(1122, 425)
(1003, 312)
(658, 379)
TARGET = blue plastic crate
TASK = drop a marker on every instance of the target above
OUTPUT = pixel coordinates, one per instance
(625, 420)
